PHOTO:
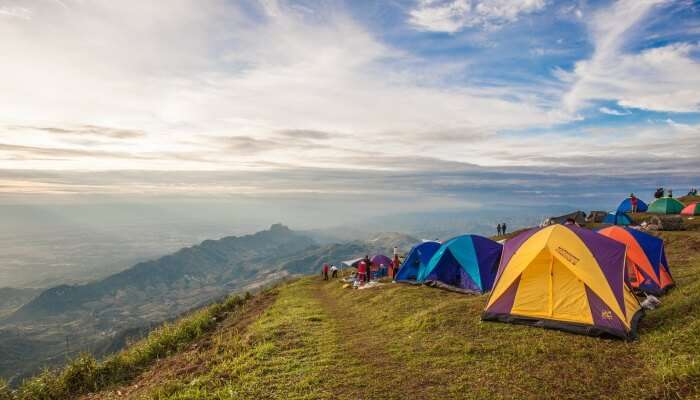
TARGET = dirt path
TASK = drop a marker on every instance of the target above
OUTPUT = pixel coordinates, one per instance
(389, 377)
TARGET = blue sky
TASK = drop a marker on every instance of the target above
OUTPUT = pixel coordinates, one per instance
(449, 100)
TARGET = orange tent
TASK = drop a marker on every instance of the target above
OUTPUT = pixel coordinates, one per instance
(647, 268)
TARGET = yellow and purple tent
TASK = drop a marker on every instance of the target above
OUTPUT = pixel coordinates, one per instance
(565, 277)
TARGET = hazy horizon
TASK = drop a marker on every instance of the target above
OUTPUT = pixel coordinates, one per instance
(191, 119)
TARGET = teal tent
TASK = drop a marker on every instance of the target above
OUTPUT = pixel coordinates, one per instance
(466, 263)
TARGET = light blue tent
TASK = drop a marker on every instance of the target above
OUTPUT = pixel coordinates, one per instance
(418, 258)
(617, 218)
(466, 263)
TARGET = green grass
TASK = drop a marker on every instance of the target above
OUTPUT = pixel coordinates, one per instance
(317, 340)
(84, 374)
(292, 351)
(5, 393)
(398, 341)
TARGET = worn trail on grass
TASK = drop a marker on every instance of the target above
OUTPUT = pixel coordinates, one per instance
(385, 375)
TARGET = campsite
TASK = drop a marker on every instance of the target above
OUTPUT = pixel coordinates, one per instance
(349, 199)
(321, 339)
(596, 282)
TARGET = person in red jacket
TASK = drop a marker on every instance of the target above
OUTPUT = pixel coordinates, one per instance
(362, 271)
(325, 272)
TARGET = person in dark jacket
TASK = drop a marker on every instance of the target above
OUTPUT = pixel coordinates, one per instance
(499, 229)
(503, 228)
(369, 268)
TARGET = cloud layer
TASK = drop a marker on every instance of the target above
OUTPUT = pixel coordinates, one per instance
(336, 97)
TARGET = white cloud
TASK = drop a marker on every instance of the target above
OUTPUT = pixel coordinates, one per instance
(204, 68)
(610, 111)
(454, 15)
(660, 79)
(14, 12)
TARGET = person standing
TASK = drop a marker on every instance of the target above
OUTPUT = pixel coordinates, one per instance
(325, 272)
(633, 200)
(396, 265)
(362, 272)
(503, 228)
(499, 229)
(670, 192)
(368, 267)
(334, 271)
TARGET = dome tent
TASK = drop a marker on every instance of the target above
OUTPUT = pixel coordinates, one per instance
(647, 268)
(626, 205)
(418, 258)
(692, 209)
(568, 278)
(617, 218)
(379, 260)
(666, 205)
(465, 263)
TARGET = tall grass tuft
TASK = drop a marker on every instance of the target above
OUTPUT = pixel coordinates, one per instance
(5, 393)
(84, 374)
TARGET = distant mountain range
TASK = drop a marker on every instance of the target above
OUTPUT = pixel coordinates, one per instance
(101, 316)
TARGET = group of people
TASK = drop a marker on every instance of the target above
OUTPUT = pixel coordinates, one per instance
(329, 268)
(502, 229)
(365, 269)
(659, 193)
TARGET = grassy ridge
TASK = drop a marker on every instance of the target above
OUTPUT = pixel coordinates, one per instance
(290, 351)
(316, 340)
(84, 374)
(320, 341)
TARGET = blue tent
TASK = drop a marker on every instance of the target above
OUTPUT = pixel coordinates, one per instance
(617, 218)
(626, 205)
(418, 258)
(466, 263)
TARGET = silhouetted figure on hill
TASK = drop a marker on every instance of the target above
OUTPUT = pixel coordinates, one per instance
(499, 229)
(368, 263)
(504, 229)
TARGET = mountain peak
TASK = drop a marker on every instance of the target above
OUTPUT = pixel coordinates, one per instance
(279, 228)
